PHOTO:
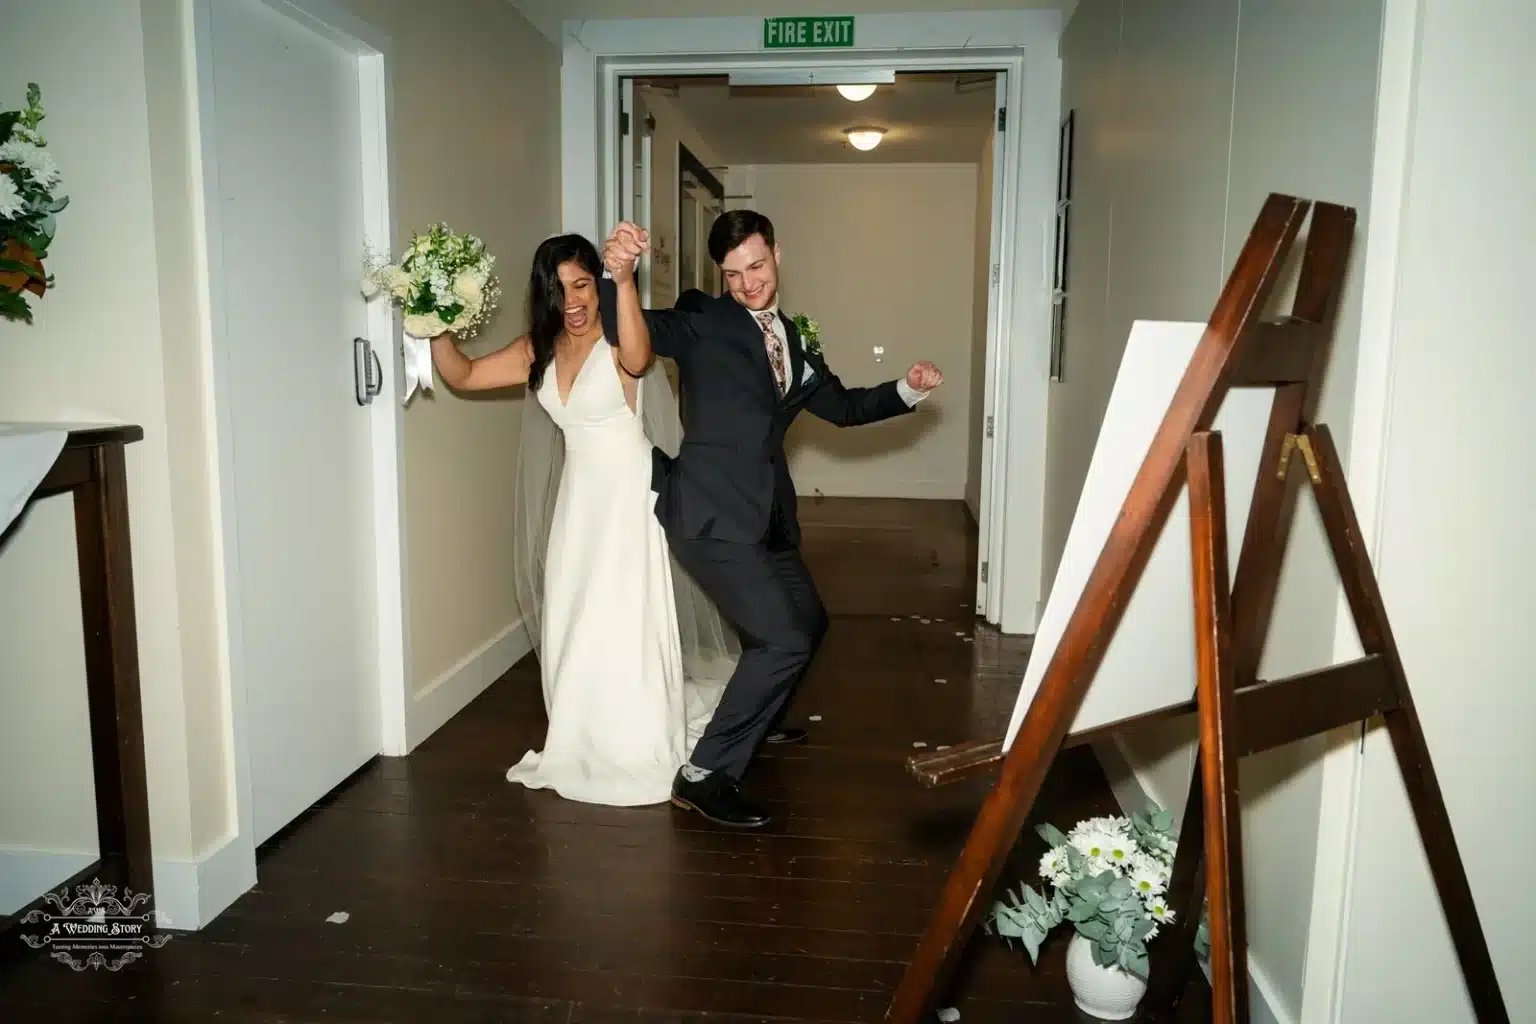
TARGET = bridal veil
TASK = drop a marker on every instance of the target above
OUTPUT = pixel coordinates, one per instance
(709, 645)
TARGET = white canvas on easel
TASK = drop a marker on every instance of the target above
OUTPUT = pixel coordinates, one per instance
(1149, 664)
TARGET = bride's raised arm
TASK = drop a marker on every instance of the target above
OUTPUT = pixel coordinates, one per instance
(504, 368)
(634, 338)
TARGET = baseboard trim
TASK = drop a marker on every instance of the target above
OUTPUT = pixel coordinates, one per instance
(922, 490)
(188, 893)
(1132, 794)
(453, 691)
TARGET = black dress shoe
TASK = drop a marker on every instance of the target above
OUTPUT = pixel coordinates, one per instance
(787, 736)
(718, 798)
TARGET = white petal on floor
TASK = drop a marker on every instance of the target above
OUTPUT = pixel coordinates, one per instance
(919, 744)
(815, 718)
(949, 1014)
(941, 680)
(340, 917)
(942, 746)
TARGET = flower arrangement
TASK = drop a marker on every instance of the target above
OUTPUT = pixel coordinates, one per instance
(442, 283)
(810, 332)
(1108, 878)
(29, 205)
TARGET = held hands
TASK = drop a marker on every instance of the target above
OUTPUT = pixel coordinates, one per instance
(622, 251)
(924, 376)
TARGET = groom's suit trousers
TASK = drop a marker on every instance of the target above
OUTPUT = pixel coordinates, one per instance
(766, 592)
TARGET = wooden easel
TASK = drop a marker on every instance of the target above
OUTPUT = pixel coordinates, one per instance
(1238, 713)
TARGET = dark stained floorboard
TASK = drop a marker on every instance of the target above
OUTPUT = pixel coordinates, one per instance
(473, 900)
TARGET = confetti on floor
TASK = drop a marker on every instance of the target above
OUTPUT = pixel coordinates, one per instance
(942, 746)
(949, 1014)
(925, 621)
(895, 618)
(340, 917)
(941, 680)
(815, 718)
(919, 744)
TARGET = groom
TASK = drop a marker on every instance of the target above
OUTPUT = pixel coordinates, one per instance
(727, 502)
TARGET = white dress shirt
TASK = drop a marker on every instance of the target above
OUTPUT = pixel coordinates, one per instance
(908, 393)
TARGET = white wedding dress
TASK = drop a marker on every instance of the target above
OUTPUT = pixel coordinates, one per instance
(623, 713)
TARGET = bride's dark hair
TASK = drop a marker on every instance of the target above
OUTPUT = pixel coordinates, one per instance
(546, 296)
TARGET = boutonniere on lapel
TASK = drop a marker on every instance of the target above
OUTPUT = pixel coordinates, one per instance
(810, 332)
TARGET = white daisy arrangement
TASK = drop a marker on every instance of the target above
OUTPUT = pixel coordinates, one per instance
(443, 282)
(29, 206)
(1109, 877)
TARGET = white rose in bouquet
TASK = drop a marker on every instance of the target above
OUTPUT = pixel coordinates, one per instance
(443, 283)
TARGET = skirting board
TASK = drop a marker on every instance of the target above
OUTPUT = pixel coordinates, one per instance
(453, 691)
(188, 893)
(813, 485)
(1264, 1005)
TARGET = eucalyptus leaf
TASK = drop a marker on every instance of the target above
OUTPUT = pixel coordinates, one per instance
(1093, 929)
(1142, 928)
(1101, 958)
(1083, 911)
(1138, 965)
(1052, 834)
(1033, 901)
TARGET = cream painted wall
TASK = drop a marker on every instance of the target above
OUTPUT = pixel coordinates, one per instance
(981, 288)
(477, 143)
(548, 14)
(98, 351)
(880, 255)
(122, 338)
(1188, 114)
(1455, 545)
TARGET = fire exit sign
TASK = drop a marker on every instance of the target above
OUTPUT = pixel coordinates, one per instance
(807, 33)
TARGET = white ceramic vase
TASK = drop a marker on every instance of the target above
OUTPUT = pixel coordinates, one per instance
(1107, 993)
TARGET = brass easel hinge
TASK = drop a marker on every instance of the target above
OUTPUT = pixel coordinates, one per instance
(1309, 457)
(1289, 446)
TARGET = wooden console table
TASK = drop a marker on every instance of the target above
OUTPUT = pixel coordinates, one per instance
(91, 466)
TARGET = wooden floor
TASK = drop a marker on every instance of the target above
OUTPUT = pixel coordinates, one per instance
(470, 899)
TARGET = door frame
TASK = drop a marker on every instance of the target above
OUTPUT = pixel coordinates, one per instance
(1339, 810)
(598, 55)
(372, 47)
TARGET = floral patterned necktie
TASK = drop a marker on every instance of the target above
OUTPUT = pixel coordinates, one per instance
(775, 352)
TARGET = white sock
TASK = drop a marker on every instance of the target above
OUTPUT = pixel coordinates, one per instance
(693, 773)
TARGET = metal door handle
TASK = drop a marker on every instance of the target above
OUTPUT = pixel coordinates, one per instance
(367, 374)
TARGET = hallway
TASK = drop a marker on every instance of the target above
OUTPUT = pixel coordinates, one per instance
(468, 899)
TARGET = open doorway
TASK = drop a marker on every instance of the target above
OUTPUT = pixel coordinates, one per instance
(886, 201)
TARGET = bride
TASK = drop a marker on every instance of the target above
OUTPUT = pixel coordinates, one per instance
(632, 655)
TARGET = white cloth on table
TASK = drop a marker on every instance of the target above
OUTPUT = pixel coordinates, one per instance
(27, 452)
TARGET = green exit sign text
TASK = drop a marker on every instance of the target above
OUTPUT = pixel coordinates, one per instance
(806, 33)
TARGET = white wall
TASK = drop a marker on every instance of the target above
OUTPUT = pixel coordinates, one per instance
(122, 338)
(1455, 545)
(880, 255)
(1189, 112)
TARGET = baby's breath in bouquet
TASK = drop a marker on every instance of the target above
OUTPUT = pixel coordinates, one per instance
(442, 283)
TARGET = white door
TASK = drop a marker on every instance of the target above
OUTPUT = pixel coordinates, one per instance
(286, 192)
(988, 586)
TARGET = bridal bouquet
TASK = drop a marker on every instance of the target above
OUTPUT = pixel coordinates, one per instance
(442, 283)
(29, 181)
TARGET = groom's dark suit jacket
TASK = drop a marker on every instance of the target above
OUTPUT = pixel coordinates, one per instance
(730, 479)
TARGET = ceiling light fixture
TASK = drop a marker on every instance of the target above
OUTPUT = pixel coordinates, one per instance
(856, 93)
(864, 137)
